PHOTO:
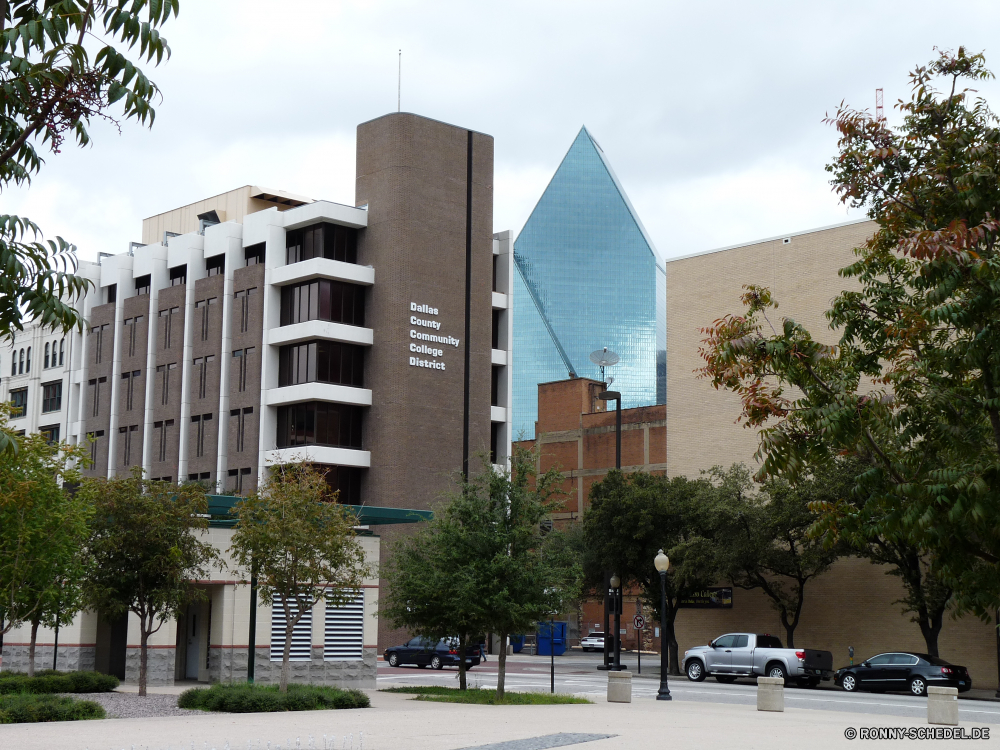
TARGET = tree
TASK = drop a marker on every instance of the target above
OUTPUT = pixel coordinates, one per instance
(302, 545)
(631, 517)
(487, 563)
(144, 551)
(764, 539)
(913, 380)
(42, 531)
(53, 82)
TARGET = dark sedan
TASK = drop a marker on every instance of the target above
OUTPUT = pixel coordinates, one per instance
(424, 652)
(903, 670)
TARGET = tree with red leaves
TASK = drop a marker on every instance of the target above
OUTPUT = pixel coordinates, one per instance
(913, 383)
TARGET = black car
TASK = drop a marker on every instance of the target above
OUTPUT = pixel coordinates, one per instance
(424, 651)
(903, 670)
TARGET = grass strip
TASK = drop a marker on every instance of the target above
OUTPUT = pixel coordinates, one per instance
(50, 681)
(485, 696)
(242, 698)
(26, 708)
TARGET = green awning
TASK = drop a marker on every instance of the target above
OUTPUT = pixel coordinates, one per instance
(220, 508)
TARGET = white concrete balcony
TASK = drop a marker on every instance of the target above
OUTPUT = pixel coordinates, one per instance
(499, 301)
(498, 357)
(327, 392)
(320, 329)
(321, 454)
(323, 268)
(336, 213)
(498, 414)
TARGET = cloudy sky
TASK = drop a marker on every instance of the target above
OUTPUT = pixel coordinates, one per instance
(711, 113)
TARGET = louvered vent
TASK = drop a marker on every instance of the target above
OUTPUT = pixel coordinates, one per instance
(301, 635)
(345, 627)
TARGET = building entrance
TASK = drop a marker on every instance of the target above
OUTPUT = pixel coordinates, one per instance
(191, 634)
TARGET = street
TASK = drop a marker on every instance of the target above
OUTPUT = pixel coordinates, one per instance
(576, 672)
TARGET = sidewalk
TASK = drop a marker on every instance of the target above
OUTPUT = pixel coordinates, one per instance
(397, 723)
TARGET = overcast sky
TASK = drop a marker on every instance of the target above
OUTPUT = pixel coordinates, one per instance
(710, 113)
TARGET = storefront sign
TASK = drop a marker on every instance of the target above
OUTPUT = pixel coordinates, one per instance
(711, 598)
(434, 343)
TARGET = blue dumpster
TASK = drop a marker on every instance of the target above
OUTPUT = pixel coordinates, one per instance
(551, 638)
(517, 643)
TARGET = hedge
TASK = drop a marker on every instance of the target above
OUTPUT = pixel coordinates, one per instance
(47, 681)
(25, 708)
(244, 698)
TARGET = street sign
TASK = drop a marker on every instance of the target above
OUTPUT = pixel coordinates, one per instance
(639, 621)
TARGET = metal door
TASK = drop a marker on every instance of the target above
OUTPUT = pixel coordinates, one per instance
(742, 659)
(897, 672)
(720, 658)
(193, 645)
(873, 676)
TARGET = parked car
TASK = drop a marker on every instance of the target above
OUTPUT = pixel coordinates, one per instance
(746, 654)
(592, 642)
(426, 652)
(903, 670)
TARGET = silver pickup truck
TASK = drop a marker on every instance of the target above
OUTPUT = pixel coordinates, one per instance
(746, 654)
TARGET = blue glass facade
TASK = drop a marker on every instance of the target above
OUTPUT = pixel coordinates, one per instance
(586, 276)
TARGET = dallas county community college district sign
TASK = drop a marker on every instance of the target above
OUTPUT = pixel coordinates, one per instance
(435, 343)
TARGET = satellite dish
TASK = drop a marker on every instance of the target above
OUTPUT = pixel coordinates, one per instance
(604, 358)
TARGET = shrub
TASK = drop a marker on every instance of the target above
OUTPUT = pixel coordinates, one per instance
(245, 698)
(26, 708)
(48, 681)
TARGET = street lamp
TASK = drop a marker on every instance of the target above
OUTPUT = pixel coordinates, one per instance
(662, 564)
(615, 396)
(615, 583)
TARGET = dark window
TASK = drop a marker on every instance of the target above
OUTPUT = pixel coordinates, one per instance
(318, 423)
(164, 372)
(254, 254)
(93, 437)
(20, 363)
(242, 366)
(323, 300)
(18, 402)
(97, 333)
(112, 293)
(128, 435)
(167, 316)
(242, 307)
(130, 379)
(178, 275)
(142, 284)
(741, 641)
(13, 363)
(201, 421)
(239, 418)
(95, 395)
(130, 328)
(768, 641)
(62, 350)
(46, 365)
(496, 329)
(495, 428)
(347, 481)
(205, 306)
(51, 396)
(495, 386)
(201, 372)
(321, 362)
(27, 362)
(164, 429)
(237, 477)
(496, 260)
(322, 241)
(50, 433)
(215, 265)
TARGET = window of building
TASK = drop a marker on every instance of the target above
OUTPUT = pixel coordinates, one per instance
(13, 363)
(321, 362)
(205, 305)
(301, 646)
(322, 241)
(20, 363)
(254, 254)
(346, 481)
(112, 293)
(201, 372)
(131, 325)
(164, 372)
(130, 378)
(142, 284)
(52, 396)
(495, 428)
(319, 423)
(344, 629)
(97, 341)
(215, 265)
(127, 437)
(200, 421)
(166, 318)
(94, 385)
(178, 275)
(238, 480)
(205, 476)
(238, 417)
(496, 261)
(50, 433)
(27, 361)
(18, 402)
(62, 351)
(323, 299)
(242, 366)
(495, 386)
(46, 365)
(164, 430)
(242, 307)
(93, 437)
(496, 329)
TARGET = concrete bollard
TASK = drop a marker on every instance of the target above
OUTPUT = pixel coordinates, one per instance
(942, 706)
(619, 687)
(770, 694)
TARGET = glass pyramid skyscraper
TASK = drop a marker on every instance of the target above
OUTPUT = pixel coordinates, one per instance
(587, 276)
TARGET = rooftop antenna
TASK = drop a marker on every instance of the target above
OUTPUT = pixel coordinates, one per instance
(879, 111)
(604, 358)
(399, 82)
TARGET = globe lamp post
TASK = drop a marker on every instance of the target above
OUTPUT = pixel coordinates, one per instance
(662, 564)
